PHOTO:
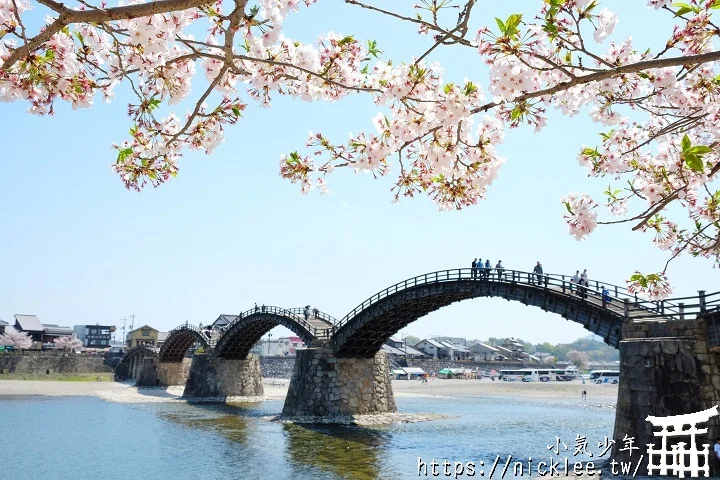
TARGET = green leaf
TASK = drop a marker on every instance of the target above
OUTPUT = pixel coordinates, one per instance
(346, 40)
(123, 154)
(516, 113)
(567, 205)
(700, 150)
(501, 25)
(236, 111)
(686, 143)
(448, 87)
(694, 162)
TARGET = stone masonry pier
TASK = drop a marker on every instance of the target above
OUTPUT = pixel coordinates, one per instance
(323, 385)
(217, 379)
(173, 373)
(666, 369)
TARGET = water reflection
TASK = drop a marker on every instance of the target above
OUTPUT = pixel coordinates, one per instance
(226, 419)
(349, 452)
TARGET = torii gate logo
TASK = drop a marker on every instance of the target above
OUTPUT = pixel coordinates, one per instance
(682, 461)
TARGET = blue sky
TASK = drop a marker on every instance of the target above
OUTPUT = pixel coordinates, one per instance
(76, 247)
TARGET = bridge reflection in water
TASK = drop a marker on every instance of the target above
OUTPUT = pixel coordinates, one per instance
(349, 452)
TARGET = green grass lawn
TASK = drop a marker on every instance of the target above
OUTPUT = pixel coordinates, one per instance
(62, 377)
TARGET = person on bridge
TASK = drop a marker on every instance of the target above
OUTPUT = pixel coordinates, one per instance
(499, 268)
(474, 268)
(575, 280)
(316, 312)
(585, 283)
(538, 271)
(479, 268)
(605, 295)
(487, 268)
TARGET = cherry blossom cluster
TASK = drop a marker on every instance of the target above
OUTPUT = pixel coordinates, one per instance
(658, 109)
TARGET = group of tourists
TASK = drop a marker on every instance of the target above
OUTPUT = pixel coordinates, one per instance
(484, 271)
(306, 312)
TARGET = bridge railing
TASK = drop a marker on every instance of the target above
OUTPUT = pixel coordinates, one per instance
(188, 326)
(321, 315)
(276, 311)
(622, 299)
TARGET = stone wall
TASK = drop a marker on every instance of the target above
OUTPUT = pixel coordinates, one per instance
(54, 362)
(217, 379)
(173, 373)
(277, 367)
(148, 372)
(325, 386)
(666, 369)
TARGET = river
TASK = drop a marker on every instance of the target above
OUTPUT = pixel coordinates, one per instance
(87, 438)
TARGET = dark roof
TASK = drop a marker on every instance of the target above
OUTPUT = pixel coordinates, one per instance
(224, 319)
(57, 330)
(29, 323)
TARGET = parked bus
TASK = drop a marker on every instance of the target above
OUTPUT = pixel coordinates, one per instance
(523, 374)
(567, 374)
(605, 376)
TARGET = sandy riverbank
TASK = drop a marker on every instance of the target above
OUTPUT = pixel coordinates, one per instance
(276, 389)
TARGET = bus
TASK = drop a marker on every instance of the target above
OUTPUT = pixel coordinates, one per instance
(524, 374)
(605, 376)
(567, 374)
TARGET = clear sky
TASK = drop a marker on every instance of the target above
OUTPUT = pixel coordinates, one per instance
(77, 248)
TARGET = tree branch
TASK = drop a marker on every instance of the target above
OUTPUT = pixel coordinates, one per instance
(69, 16)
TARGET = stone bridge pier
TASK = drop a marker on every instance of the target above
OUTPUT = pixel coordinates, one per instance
(324, 385)
(173, 373)
(666, 369)
(217, 379)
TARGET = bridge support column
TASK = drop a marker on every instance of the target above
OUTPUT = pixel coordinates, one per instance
(323, 385)
(217, 379)
(666, 370)
(147, 372)
(173, 373)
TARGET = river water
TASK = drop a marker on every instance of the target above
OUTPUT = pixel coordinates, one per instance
(87, 438)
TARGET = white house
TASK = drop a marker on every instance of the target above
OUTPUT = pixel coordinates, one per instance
(483, 353)
(435, 349)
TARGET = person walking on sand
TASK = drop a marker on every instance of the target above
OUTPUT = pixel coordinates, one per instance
(538, 271)
(584, 394)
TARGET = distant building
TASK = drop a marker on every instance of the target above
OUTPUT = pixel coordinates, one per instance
(484, 353)
(223, 321)
(51, 332)
(145, 336)
(42, 335)
(457, 352)
(94, 336)
(456, 341)
(281, 347)
(435, 349)
(3, 324)
(31, 325)
(162, 336)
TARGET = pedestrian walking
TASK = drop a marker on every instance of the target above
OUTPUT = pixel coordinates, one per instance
(584, 394)
(499, 269)
(316, 312)
(575, 280)
(487, 268)
(605, 295)
(474, 268)
(538, 271)
(306, 312)
(479, 268)
(585, 282)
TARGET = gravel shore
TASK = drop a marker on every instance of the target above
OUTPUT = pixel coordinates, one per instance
(276, 389)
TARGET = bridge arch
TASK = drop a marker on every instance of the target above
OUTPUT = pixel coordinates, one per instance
(179, 341)
(129, 366)
(362, 332)
(249, 327)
